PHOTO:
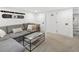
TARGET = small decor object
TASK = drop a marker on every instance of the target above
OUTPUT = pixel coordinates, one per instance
(52, 15)
(66, 23)
(20, 17)
(6, 16)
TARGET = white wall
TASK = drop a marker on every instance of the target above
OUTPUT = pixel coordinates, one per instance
(38, 18)
(56, 23)
(29, 17)
(41, 18)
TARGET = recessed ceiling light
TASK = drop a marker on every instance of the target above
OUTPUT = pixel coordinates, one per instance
(36, 11)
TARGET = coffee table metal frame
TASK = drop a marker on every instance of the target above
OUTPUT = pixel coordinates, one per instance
(30, 43)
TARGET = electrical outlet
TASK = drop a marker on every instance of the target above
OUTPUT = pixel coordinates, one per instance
(56, 31)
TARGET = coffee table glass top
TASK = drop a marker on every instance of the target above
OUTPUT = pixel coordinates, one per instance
(33, 35)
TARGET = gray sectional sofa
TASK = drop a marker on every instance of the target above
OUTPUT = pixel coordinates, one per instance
(10, 42)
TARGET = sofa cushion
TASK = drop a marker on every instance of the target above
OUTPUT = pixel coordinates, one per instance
(29, 28)
(5, 37)
(10, 45)
(32, 28)
(13, 27)
(2, 33)
(15, 35)
(15, 30)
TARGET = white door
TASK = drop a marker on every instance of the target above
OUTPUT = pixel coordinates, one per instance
(65, 22)
(51, 22)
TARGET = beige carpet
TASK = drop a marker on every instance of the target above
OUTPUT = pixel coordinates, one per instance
(58, 43)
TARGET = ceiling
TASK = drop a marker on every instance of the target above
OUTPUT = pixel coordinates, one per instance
(43, 9)
(35, 9)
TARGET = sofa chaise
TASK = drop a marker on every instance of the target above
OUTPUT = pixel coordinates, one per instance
(10, 45)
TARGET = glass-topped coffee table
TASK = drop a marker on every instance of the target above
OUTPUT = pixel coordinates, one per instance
(33, 40)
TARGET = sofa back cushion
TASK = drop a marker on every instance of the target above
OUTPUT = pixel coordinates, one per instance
(10, 28)
(4, 28)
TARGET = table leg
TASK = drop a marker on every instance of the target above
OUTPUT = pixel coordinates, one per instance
(23, 41)
(30, 45)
